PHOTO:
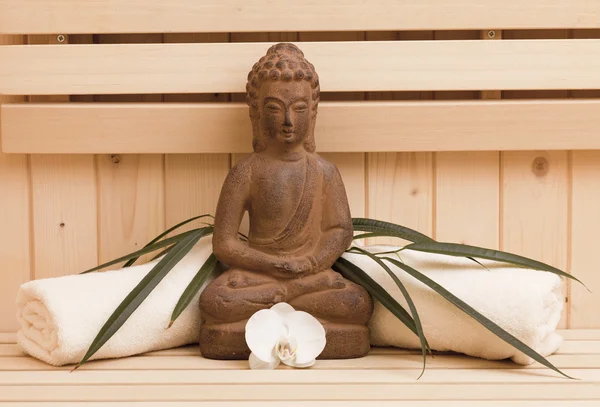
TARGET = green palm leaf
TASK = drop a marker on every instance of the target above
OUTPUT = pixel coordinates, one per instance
(193, 287)
(357, 275)
(149, 249)
(163, 234)
(461, 250)
(382, 228)
(487, 323)
(409, 301)
(140, 292)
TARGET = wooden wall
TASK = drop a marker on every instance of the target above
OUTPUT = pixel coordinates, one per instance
(60, 214)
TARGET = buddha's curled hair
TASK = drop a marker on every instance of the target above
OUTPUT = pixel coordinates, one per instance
(285, 62)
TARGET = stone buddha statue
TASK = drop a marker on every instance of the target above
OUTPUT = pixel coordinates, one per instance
(299, 217)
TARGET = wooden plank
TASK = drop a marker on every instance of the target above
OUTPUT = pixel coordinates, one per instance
(15, 264)
(8, 337)
(580, 334)
(585, 220)
(125, 16)
(400, 190)
(291, 376)
(535, 207)
(364, 403)
(467, 198)
(64, 214)
(391, 360)
(192, 185)
(131, 203)
(375, 126)
(9, 349)
(352, 169)
(201, 68)
(571, 390)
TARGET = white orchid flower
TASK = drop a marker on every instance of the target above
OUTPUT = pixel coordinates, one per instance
(282, 334)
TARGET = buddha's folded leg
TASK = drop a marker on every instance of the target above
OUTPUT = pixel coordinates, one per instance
(226, 304)
(236, 294)
(343, 307)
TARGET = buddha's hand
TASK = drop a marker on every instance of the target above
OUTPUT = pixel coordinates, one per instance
(296, 267)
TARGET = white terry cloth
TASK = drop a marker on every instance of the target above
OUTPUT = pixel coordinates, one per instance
(526, 303)
(60, 317)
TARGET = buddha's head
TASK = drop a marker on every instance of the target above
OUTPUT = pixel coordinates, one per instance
(283, 95)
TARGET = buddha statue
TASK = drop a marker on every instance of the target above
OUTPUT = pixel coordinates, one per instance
(299, 218)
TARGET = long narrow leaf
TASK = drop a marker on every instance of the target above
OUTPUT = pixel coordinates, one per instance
(166, 232)
(140, 292)
(193, 287)
(383, 228)
(409, 301)
(148, 249)
(466, 308)
(162, 253)
(357, 275)
(461, 250)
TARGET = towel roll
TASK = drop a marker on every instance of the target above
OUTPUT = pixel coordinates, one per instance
(526, 303)
(60, 317)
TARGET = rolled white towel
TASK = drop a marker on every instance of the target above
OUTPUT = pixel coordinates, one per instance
(526, 303)
(60, 317)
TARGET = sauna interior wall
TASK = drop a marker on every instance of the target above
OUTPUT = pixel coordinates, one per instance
(60, 214)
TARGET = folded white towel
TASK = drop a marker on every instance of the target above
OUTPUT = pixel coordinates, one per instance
(526, 303)
(60, 317)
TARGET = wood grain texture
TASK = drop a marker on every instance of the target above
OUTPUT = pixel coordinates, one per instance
(400, 190)
(467, 198)
(535, 207)
(192, 185)
(585, 220)
(15, 264)
(201, 68)
(64, 214)
(373, 126)
(71, 16)
(131, 203)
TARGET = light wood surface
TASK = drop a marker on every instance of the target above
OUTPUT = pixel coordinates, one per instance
(465, 125)
(15, 208)
(64, 214)
(385, 375)
(216, 67)
(122, 16)
(585, 220)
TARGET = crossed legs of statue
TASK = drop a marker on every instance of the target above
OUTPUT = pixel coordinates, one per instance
(343, 308)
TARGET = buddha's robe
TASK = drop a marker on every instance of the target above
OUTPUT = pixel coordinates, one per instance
(298, 213)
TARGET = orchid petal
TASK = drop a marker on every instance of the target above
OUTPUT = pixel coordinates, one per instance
(294, 363)
(309, 335)
(263, 330)
(257, 364)
(283, 309)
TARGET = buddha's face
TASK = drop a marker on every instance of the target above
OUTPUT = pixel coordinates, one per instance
(285, 111)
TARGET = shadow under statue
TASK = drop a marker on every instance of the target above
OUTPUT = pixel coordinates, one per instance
(300, 222)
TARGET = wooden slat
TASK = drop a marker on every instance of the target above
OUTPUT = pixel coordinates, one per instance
(72, 16)
(291, 376)
(580, 334)
(391, 360)
(279, 403)
(341, 127)
(534, 207)
(8, 337)
(467, 198)
(585, 215)
(64, 214)
(400, 188)
(342, 66)
(15, 267)
(572, 390)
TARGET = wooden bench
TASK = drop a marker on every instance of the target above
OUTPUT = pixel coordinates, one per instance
(474, 122)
